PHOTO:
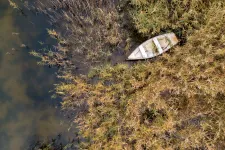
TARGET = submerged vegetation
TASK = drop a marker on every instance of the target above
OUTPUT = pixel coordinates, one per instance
(175, 101)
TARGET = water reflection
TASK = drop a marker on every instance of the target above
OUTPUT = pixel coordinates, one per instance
(26, 109)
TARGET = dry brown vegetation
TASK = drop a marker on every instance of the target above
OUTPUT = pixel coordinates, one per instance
(175, 101)
(183, 17)
(87, 28)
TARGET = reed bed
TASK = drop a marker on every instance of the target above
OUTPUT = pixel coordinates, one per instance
(86, 28)
(173, 102)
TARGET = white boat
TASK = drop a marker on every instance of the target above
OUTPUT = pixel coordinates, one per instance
(154, 47)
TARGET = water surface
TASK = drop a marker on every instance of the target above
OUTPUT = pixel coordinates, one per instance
(27, 112)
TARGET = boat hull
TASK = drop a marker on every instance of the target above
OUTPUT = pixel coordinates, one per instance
(154, 47)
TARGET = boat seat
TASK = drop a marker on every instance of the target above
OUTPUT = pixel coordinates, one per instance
(143, 53)
(156, 42)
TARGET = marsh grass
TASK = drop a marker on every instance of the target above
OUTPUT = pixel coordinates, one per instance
(182, 17)
(53, 144)
(13, 4)
(86, 28)
(173, 102)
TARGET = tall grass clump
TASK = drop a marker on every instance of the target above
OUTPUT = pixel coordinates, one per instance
(176, 102)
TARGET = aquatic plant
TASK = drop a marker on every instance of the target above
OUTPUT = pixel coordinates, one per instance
(175, 101)
(180, 16)
(53, 144)
(13, 4)
(87, 28)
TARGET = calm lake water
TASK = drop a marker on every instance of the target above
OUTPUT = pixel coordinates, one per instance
(27, 112)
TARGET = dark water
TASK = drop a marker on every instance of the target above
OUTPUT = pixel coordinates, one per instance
(27, 112)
